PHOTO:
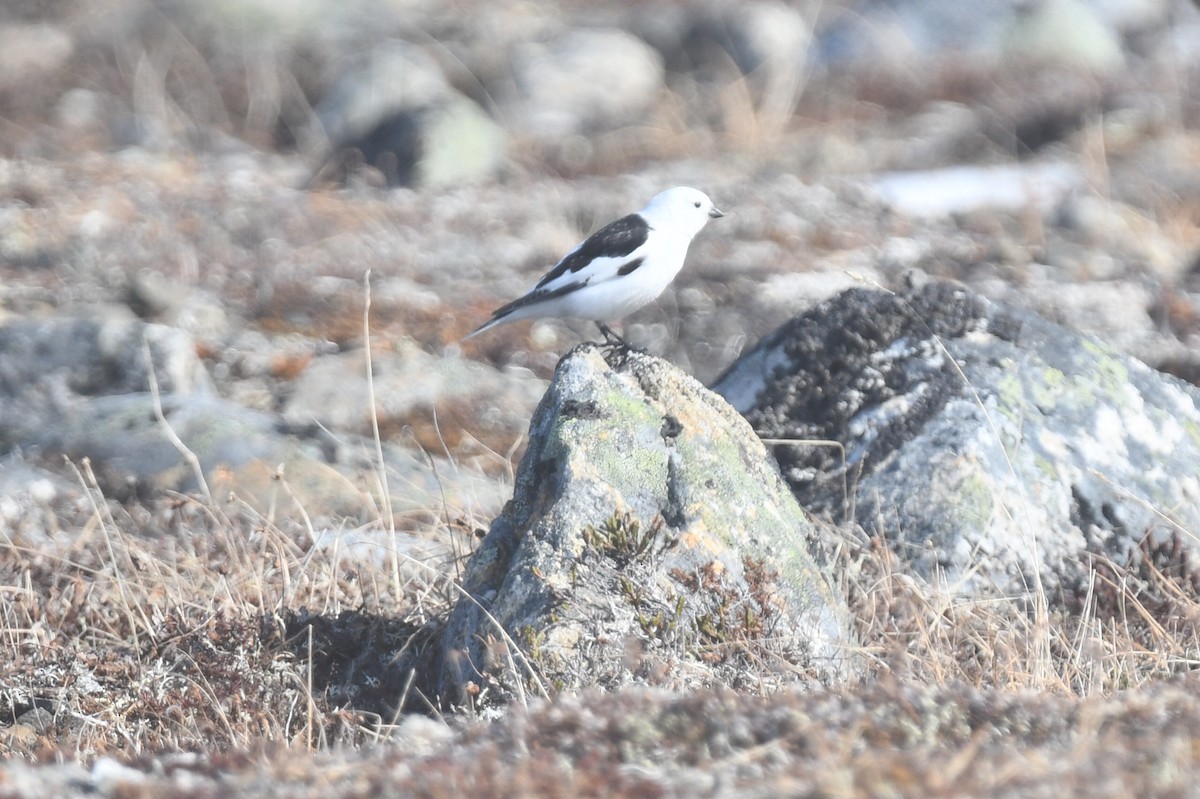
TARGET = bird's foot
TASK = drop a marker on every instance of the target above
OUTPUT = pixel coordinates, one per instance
(614, 341)
(611, 338)
(616, 347)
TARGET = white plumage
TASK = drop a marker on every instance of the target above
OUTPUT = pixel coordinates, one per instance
(619, 268)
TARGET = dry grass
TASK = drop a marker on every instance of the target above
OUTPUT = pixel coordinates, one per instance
(181, 625)
(1130, 629)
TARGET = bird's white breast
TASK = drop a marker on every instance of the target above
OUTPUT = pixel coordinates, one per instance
(612, 299)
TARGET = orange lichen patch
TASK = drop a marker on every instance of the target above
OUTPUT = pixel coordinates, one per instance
(206, 351)
(452, 425)
(338, 317)
(294, 308)
(290, 365)
(336, 207)
(432, 432)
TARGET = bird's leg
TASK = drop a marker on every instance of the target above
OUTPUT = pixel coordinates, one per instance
(617, 350)
(611, 338)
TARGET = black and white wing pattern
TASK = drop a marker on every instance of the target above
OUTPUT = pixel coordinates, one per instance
(609, 252)
(615, 241)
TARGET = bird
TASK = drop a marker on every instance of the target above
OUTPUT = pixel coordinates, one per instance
(619, 268)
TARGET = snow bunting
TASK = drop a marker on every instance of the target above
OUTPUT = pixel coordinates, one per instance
(620, 267)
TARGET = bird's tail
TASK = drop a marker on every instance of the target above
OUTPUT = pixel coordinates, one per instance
(488, 325)
(517, 309)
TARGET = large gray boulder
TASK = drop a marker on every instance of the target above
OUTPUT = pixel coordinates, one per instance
(983, 443)
(649, 539)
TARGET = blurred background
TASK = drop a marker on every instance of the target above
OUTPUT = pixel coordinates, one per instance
(572, 88)
(234, 168)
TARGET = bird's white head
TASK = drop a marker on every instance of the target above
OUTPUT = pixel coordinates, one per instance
(683, 209)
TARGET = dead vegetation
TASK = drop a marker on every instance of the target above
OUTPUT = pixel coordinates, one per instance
(182, 626)
(1121, 631)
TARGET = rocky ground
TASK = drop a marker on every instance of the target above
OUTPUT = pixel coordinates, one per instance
(224, 541)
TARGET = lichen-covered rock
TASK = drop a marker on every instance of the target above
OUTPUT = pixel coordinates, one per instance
(649, 538)
(983, 443)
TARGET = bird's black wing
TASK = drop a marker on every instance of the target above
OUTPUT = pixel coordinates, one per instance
(614, 240)
(537, 295)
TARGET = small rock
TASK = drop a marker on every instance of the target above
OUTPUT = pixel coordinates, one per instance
(153, 295)
(868, 32)
(1122, 230)
(1131, 16)
(1065, 32)
(95, 358)
(1084, 33)
(29, 52)
(584, 80)
(112, 778)
(461, 144)
(397, 113)
(420, 736)
(38, 719)
(449, 142)
(766, 42)
(410, 386)
(80, 108)
(30, 497)
(395, 76)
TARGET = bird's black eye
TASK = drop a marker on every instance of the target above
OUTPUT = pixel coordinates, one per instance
(697, 203)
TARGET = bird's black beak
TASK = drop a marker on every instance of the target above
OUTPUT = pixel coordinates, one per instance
(715, 213)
